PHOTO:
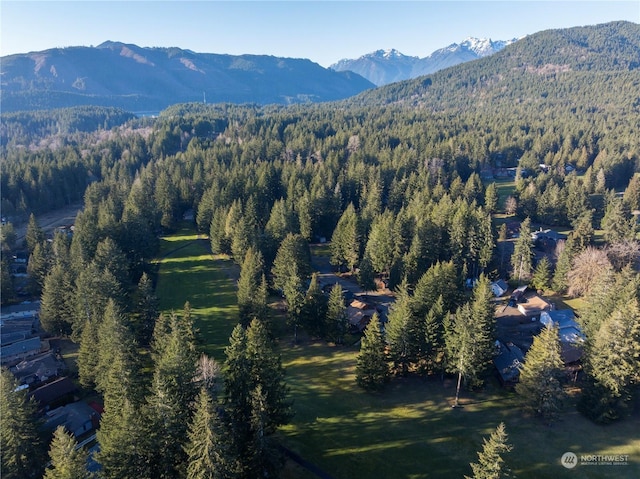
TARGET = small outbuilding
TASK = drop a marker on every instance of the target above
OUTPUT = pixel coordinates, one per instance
(508, 361)
(499, 287)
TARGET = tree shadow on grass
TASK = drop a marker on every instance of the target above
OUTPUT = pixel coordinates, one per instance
(410, 430)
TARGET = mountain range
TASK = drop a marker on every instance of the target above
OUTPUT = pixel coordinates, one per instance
(150, 79)
(585, 71)
(387, 66)
(596, 65)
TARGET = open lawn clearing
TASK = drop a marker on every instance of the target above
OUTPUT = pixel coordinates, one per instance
(411, 431)
(504, 187)
(189, 272)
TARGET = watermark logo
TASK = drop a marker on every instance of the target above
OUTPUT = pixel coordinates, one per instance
(569, 460)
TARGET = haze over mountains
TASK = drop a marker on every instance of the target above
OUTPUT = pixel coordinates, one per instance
(387, 66)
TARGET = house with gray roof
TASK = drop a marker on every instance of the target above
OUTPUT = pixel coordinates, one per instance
(20, 350)
(77, 418)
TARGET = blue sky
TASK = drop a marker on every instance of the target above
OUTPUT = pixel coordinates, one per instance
(323, 31)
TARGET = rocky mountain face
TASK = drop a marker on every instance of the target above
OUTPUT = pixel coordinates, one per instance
(387, 66)
(139, 79)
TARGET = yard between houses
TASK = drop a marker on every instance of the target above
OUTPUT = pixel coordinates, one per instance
(407, 431)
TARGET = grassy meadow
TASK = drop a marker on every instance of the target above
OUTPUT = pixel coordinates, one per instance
(189, 272)
(409, 430)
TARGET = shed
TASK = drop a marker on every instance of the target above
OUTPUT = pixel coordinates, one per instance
(498, 288)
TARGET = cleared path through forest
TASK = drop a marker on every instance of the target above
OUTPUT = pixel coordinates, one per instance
(50, 220)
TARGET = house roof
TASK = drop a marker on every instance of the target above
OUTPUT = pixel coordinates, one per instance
(43, 365)
(14, 336)
(548, 234)
(356, 303)
(559, 317)
(73, 417)
(570, 352)
(564, 319)
(33, 306)
(508, 362)
(534, 305)
(518, 292)
(26, 346)
(54, 390)
(360, 317)
(499, 287)
(502, 283)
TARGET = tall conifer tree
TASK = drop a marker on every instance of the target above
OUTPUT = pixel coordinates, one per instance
(612, 365)
(67, 462)
(372, 369)
(56, 310)
(337, 321)
(315, 308)
(491, 464)
(404, 332)
(539, 387)
(521, 259)
(252, 300)
(173, 390)
(22, 451)
(207, 448)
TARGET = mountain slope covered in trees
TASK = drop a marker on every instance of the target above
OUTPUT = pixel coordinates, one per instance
(142, 79)
(594, 67)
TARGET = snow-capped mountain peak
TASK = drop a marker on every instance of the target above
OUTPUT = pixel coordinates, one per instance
(389, 54)
(480, 46)
(386, 66)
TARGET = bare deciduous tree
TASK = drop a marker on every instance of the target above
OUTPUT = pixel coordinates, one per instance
(510, 205)
(624, 253)
(208, 372)
(587, 267)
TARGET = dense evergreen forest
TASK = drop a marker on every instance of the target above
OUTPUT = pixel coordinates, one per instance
(399, 180)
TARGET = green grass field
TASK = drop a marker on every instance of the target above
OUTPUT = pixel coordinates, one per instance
(408, 431)
(411, 431)
(505, 187)
(188, 272)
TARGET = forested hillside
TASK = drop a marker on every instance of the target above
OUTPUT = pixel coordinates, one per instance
(403, 182)
(115, 74)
